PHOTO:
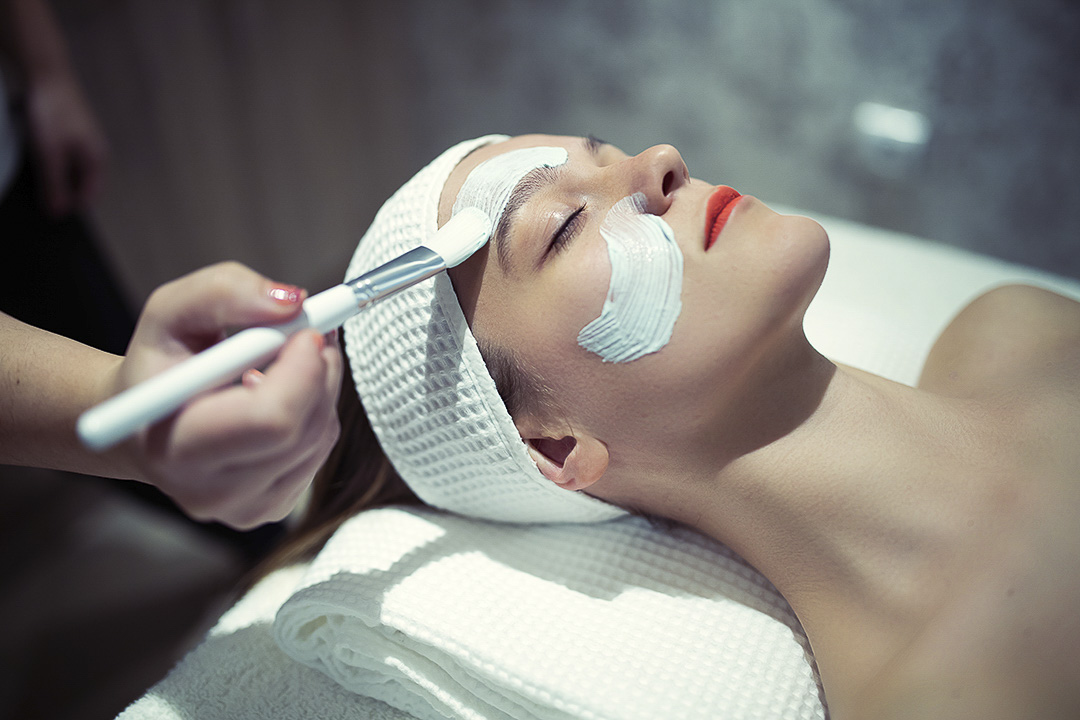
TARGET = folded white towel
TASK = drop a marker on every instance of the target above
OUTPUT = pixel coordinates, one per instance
(442, 616)
(238, 673)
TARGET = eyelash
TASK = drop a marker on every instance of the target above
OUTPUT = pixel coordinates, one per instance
(572, 226)
(567, 231)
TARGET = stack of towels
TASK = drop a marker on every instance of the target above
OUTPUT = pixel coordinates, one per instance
(446, 617)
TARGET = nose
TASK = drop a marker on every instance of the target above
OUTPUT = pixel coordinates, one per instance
(659, 171)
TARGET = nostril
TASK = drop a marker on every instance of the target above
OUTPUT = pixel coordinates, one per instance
(669, 180)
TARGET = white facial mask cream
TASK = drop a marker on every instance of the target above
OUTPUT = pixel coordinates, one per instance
(490, 183)
(644, 294)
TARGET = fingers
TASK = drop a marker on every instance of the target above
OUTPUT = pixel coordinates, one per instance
(278, 498)
(241, 423)
(227, 295)
(245, 454)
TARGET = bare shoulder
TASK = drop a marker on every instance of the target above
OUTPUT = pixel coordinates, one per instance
(1014, 333)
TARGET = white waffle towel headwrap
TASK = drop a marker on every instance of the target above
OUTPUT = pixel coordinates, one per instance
(427, 392)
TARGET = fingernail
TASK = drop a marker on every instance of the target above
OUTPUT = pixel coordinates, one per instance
(331, 337)
(286, 294)
(252, 377)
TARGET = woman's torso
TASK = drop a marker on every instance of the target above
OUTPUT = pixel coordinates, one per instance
(1005, 640)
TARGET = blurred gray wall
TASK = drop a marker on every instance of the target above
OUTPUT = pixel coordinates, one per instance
(269, 131)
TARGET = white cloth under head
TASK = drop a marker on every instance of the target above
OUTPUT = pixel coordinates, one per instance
(426, 389)
(442, 616)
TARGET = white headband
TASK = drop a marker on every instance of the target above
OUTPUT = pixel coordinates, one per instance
(427, 392)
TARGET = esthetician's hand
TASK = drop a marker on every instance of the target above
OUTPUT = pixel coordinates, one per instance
(242, 454)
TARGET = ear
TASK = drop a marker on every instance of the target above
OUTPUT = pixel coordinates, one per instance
(573, 462)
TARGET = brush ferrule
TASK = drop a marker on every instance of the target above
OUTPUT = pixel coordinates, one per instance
(404, 271)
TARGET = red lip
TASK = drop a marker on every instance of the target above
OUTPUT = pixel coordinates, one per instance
(717, 212)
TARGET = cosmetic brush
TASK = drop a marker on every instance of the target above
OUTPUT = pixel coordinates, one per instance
(121, 416)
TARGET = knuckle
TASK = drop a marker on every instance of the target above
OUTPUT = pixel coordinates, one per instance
(252, 515)
(223, 277)
(276, 425)
(160, 299)
(321, 434)
(243, 521)
(229, 268)
(333, 433)
(205, 500)
(214, 280)
(201, 507)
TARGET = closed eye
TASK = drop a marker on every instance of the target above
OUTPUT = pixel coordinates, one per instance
(593, 144)
(567, 231)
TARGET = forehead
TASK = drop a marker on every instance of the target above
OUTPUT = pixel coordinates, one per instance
(457, 177)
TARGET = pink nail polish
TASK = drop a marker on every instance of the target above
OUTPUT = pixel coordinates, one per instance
(285, 294)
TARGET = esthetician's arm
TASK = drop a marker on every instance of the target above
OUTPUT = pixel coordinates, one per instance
(242, 454)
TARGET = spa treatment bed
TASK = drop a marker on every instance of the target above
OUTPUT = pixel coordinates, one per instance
(413, 613)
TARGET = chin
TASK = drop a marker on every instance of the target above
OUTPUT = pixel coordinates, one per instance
(802, 255)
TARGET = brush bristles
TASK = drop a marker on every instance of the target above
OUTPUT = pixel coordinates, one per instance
(461, 236)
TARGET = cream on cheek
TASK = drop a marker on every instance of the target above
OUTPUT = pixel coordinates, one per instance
(644, 293)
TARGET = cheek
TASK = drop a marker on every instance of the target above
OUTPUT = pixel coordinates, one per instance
(552, 309)
(642, 404)
(540, 316)
(583, 286)
(541, 320)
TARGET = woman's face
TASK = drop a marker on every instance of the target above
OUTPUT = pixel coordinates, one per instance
(743, 295)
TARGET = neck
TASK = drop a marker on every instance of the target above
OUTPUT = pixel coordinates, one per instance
(847, 500)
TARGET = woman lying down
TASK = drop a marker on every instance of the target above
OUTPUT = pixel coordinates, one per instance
(631, 339)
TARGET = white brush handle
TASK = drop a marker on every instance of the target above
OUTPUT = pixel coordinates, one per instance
(121, 416)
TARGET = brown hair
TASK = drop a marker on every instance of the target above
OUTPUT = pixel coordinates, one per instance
(520, 387)
(358, 476)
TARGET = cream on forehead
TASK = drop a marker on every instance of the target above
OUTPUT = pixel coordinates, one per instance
(644, 293)
(490, 183)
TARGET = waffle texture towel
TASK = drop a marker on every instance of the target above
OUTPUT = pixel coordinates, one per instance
(447, 617)
(238, 673)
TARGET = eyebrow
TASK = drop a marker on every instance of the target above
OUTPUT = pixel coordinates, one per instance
(535, 181)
